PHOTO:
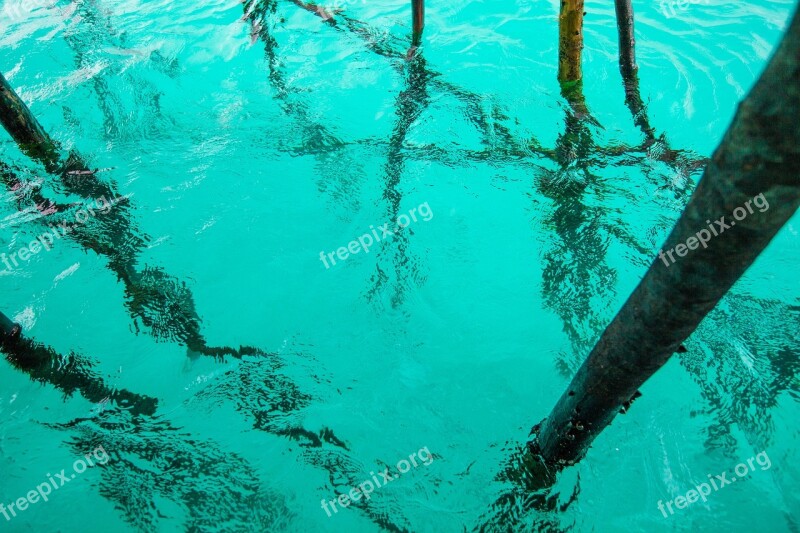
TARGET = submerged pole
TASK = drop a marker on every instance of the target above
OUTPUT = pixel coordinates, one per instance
(750, 189)
(628, 67)
(570, 40)
(23, 127)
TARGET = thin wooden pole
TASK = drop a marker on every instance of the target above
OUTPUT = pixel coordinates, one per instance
(361, 30)
(418, 16)
(629, 69)
(23, 127)
(570, 40)
(418, 25)
(749, 190)
(627, 41)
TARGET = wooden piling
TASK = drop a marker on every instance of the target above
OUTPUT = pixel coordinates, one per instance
(759, 155)
(627, 40)
(418, 21)
(629, 69)
(23, 127)
(570, 40)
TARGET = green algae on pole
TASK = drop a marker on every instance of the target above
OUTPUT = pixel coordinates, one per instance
(760, 154)
(23, 127)
(570, 40)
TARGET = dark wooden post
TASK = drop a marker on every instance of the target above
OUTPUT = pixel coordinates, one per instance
(627, 42)
(23, 127)
(418, 18)
(570, 40)
(749, 190)
(628, 67)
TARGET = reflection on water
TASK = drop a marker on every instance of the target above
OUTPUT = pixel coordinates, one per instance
(126, 83)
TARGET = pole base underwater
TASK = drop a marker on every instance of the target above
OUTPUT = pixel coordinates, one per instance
(9, 331)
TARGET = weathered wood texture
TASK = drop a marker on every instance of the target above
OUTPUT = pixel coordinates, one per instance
(760, 154)
(570, 40)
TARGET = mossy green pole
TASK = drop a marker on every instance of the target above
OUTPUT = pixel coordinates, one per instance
(570, 40)
(759, 155)
(23, 127)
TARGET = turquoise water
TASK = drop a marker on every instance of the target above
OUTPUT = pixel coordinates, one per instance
(251, 139)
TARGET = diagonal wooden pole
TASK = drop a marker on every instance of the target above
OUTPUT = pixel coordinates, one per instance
(750, 189)
(26, 131)
(30, 136)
